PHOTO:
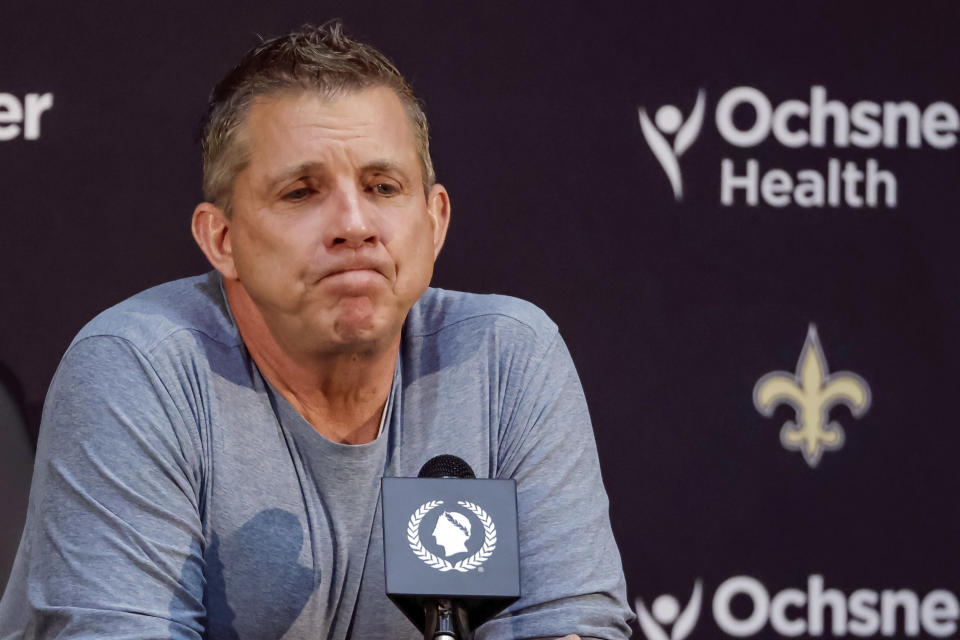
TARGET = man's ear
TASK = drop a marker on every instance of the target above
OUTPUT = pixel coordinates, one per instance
(211, 230)
(438, 208)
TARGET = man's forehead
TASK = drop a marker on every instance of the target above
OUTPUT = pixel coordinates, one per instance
(290, 123)
(378, 109)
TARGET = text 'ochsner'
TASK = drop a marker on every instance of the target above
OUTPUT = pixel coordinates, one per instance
(817, 123)
(743, 607)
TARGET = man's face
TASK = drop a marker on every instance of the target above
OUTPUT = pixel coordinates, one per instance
(331, 235)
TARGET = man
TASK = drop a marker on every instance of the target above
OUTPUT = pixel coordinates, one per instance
(211, 449)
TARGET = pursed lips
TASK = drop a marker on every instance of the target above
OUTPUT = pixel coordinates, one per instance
(361, 266)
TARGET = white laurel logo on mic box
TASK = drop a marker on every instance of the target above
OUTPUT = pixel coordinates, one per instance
(452, 532)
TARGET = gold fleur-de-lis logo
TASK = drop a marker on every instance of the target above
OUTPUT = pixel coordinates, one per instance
(812, 392)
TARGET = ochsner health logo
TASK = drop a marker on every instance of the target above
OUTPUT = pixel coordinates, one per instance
(22, 117)
(668, 121)
(665, 611)
(811, 612)
(817, 122)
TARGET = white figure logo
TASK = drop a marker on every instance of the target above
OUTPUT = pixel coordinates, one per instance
(666, 611)
(452, 532)
(667, 121)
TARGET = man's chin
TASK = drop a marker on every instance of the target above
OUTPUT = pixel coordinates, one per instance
(361, 332)
(358, 325)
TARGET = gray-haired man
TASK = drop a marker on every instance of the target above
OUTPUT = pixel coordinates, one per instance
(211, 448)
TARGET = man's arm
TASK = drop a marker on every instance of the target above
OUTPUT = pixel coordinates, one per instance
(113, 541)
(571, 576)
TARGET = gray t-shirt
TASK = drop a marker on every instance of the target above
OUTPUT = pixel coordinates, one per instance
(176, 495)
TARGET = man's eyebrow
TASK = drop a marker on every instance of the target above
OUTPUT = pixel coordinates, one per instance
(376, 166)
(384, 166)
(291, 173)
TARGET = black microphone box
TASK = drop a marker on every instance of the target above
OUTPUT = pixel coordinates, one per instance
(451, 538)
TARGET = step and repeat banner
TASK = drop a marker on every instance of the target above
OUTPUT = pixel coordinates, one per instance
(743, 217)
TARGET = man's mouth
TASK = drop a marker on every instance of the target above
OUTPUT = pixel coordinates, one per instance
(357, 267)
(359, 278)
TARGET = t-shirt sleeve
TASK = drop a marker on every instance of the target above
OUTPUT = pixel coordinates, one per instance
(571, 576)
(112, 547)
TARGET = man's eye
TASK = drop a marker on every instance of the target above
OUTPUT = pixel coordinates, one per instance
(297, 194)
(385, 189)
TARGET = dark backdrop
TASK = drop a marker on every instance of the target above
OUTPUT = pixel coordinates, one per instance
(672, 309)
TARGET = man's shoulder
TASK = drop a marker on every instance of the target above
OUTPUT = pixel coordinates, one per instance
(151, 317)
(441, 311)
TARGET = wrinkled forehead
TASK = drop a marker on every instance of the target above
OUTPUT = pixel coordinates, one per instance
(288, 122)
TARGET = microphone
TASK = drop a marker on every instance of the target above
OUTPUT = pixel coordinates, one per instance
(446, 466)
(451, 556)
(442, 617)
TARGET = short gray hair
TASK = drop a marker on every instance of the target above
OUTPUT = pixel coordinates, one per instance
(311, 58)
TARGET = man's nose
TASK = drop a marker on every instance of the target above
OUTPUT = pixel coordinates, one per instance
(350, 223)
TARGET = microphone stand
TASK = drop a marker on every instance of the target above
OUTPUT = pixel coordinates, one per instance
(446, 621)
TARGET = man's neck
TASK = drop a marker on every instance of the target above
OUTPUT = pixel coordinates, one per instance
(341, 395)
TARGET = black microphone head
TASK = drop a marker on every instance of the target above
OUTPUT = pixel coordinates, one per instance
(445, 466)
